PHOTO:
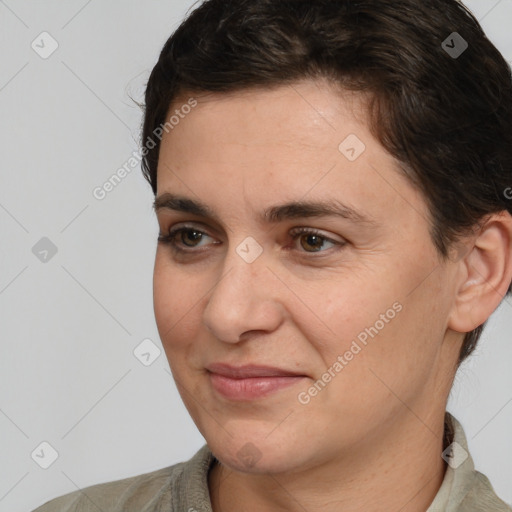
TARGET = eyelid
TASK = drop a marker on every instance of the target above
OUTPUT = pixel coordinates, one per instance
(314, 231)
(168, 238)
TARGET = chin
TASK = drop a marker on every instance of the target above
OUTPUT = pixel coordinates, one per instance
(256, 450)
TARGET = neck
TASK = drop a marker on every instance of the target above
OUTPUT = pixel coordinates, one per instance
(399, 469)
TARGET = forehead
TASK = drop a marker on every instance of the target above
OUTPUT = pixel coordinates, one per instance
(285, 143)
(287, 112)
(265, 128)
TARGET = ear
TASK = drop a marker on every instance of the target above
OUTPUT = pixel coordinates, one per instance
(485, 274)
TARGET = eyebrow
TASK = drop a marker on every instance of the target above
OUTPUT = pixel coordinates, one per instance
(273, 214)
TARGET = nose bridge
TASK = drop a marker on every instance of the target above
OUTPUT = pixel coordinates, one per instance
(245, 266)
(241, 300)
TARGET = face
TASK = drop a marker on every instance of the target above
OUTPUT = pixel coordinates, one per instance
(289, 327)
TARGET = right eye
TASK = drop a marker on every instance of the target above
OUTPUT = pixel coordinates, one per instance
(179, 238)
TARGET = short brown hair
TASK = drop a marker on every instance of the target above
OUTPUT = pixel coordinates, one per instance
(446, 118)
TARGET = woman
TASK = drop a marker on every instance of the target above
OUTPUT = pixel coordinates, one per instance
(332, 186)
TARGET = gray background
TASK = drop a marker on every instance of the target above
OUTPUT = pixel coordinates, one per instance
(69, 325)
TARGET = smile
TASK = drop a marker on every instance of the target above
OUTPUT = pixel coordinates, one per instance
(250, 382)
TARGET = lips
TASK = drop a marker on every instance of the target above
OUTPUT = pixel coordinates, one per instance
(250, 382)
(249, 371)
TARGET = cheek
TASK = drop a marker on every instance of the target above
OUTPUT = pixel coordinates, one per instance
(175, 301)
(346, 308)
(379, 325)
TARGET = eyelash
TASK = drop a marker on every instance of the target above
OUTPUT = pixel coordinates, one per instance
(170, 238)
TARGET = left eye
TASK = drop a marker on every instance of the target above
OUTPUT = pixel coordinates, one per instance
(312, 238)
(180, 238)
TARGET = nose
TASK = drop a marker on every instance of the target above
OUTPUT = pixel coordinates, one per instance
(245, 298)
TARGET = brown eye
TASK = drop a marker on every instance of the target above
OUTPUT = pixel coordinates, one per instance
(312, 240)
(190, 234)
(309, 241)
(183, 239)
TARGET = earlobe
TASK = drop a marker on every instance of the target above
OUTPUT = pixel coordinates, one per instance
(485, 274)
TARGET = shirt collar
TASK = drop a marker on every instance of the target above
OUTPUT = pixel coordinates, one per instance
(460, 469)
(191, 488)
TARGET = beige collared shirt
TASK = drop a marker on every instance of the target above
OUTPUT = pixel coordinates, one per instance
(184, 487)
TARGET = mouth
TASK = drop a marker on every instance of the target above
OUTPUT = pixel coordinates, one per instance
(250, 382)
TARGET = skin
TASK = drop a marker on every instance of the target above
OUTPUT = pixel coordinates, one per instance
(371, 439)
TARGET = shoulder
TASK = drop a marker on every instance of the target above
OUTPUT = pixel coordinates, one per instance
(157, 490)
(466, 489)
(482, 496)
(114, 496)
